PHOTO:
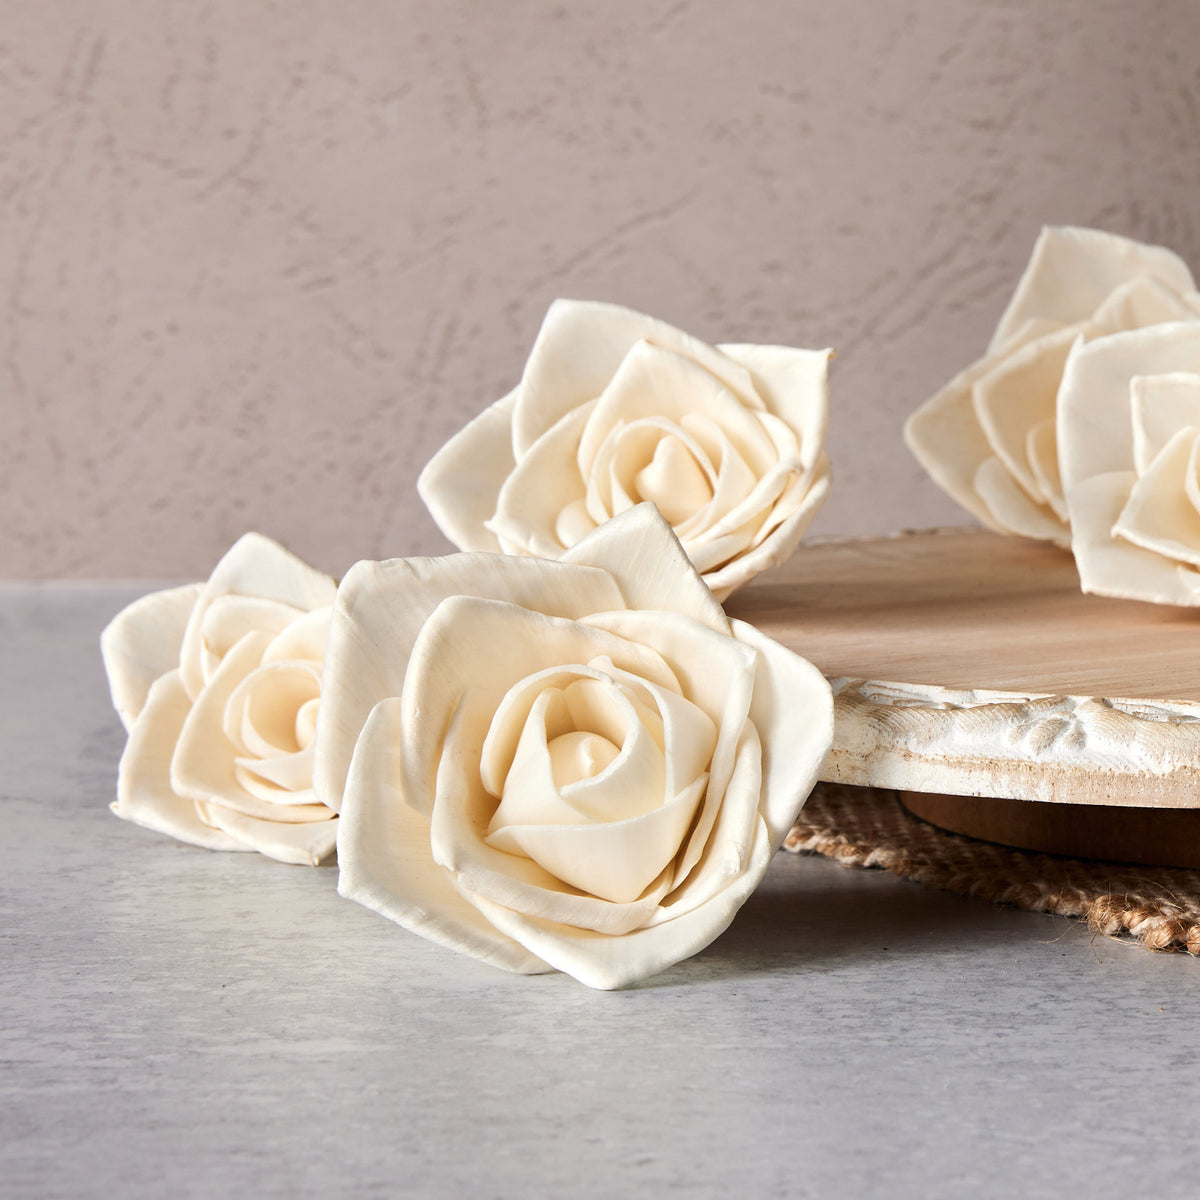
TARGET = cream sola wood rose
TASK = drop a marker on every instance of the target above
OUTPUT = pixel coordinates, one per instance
(1129, 432)
(989, 438)
(577, 764)
(219, 685)
(615, 408)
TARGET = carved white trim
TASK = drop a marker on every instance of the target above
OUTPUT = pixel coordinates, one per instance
(1079, 749)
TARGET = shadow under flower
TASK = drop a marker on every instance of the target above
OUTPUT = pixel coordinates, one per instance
(810, 911)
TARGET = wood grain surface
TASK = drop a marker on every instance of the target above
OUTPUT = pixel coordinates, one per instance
(968, 609)
(970, 664)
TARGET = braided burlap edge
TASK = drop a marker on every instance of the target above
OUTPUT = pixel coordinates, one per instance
(869, 827)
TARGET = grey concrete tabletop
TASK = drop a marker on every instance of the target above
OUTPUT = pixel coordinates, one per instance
(176, 1022)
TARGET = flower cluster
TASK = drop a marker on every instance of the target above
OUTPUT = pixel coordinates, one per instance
(991, 436)
(554, 750)
(564, 756)
(1080, 424)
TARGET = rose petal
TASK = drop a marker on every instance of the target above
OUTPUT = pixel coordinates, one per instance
(778, 544)
(944, 433)
(606, 495)
(794, 385)
(142, 643)
(542, 484)
(1110, 566)
(652, 570)
(1018, 394)
(614, 860)
(1041, 450)
(731, 810)
(610, 962)
(258, 567)
(787, 447)
(579, 349)
(742, 522)
(716, 673)
(487, 646)
(205, 761)
(1073, 270)
(229, 618)
(573, 523)
(288, 774)
(305, 638)
(256, 797)
(710, 555)
(688, 735)
(655, 382)
(736, 481)
(385, 862)
(945, 437)
(380, 610)
(144, 792)
(1094, 399)
(1161, 405)
(792, 709)
(461, 482)
(305, 844)
(795, 496)
(722, 842)
(1141, 302)
(1011, 508)
(1160, 514)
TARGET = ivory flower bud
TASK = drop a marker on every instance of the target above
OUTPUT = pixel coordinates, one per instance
(219, 686)
(579, 764)
(1129, 427)
(615, 408)
(990, 437)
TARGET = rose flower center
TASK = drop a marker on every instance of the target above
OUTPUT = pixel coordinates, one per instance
(275, 710)
(674, 481)
(598, 777)
(579, 755)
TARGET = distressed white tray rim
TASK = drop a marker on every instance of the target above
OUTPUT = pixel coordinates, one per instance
(1024, 746)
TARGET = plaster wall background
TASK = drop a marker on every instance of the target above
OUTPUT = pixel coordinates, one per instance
(258, 260)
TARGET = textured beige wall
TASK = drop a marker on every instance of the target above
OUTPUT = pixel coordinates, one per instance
(257, 260)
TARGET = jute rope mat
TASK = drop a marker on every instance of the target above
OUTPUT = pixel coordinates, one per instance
(869, 827)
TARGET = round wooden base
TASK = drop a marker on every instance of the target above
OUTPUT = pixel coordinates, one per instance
(968, 663)
(1163, 837)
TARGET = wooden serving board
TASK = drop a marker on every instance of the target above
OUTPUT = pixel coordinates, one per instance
(968, 664)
